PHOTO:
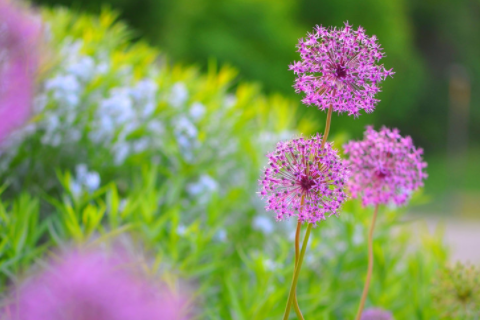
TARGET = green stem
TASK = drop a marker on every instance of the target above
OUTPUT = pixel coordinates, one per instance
(297, 234)
(370, 265)
(327, 126)
(297, 272)
(297, 253)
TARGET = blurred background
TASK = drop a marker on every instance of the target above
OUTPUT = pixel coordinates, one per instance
(433, 47)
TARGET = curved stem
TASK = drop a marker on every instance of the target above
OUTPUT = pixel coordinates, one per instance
(297, 236)
(297, 253)
(327, 126)
(370, 265)
(297, 241)
(297, 272)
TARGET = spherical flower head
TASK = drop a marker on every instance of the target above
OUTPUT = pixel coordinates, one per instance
(339, 69)
(92, 286)
(19, 34)
(376, 314)
(385, 166)
(304, 180)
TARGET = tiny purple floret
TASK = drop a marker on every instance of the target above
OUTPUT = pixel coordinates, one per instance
(339, 69)
(304, 180)
(386, 167)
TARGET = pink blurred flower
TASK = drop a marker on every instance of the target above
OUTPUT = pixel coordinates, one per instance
(338, 68)
(385, 166)
(19, 35)
(92, 286)
(300, 171)
(376, 314)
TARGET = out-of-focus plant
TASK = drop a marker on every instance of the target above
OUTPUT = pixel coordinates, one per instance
(20, 235)
(456, 292)
(386, 169)
(93, 285)
(19, 60)
(108, 106)
(376, 314)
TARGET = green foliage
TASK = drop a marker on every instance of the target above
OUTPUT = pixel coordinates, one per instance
(20, 235)
(237, 271)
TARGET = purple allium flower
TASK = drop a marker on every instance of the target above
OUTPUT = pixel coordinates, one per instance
(376, 314)
(385, 167)
(304, 180)
(19, 34)
(92, 286)
(338, 69)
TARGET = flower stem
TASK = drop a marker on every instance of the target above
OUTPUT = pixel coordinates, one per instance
(370, 265)
(297, 235)
(297, 272)
(327, 126)
(297, 253)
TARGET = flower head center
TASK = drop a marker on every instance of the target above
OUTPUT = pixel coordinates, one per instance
(340, 71)
(382, 173)
(306, 183)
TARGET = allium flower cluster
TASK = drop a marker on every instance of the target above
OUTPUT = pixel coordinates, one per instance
(19, 35)
(376, 314)
(385, 166)
(304, 180)
(338, 69)
(92, 287)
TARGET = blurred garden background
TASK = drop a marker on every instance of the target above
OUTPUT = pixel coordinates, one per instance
(150, 126)
(432, 46)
